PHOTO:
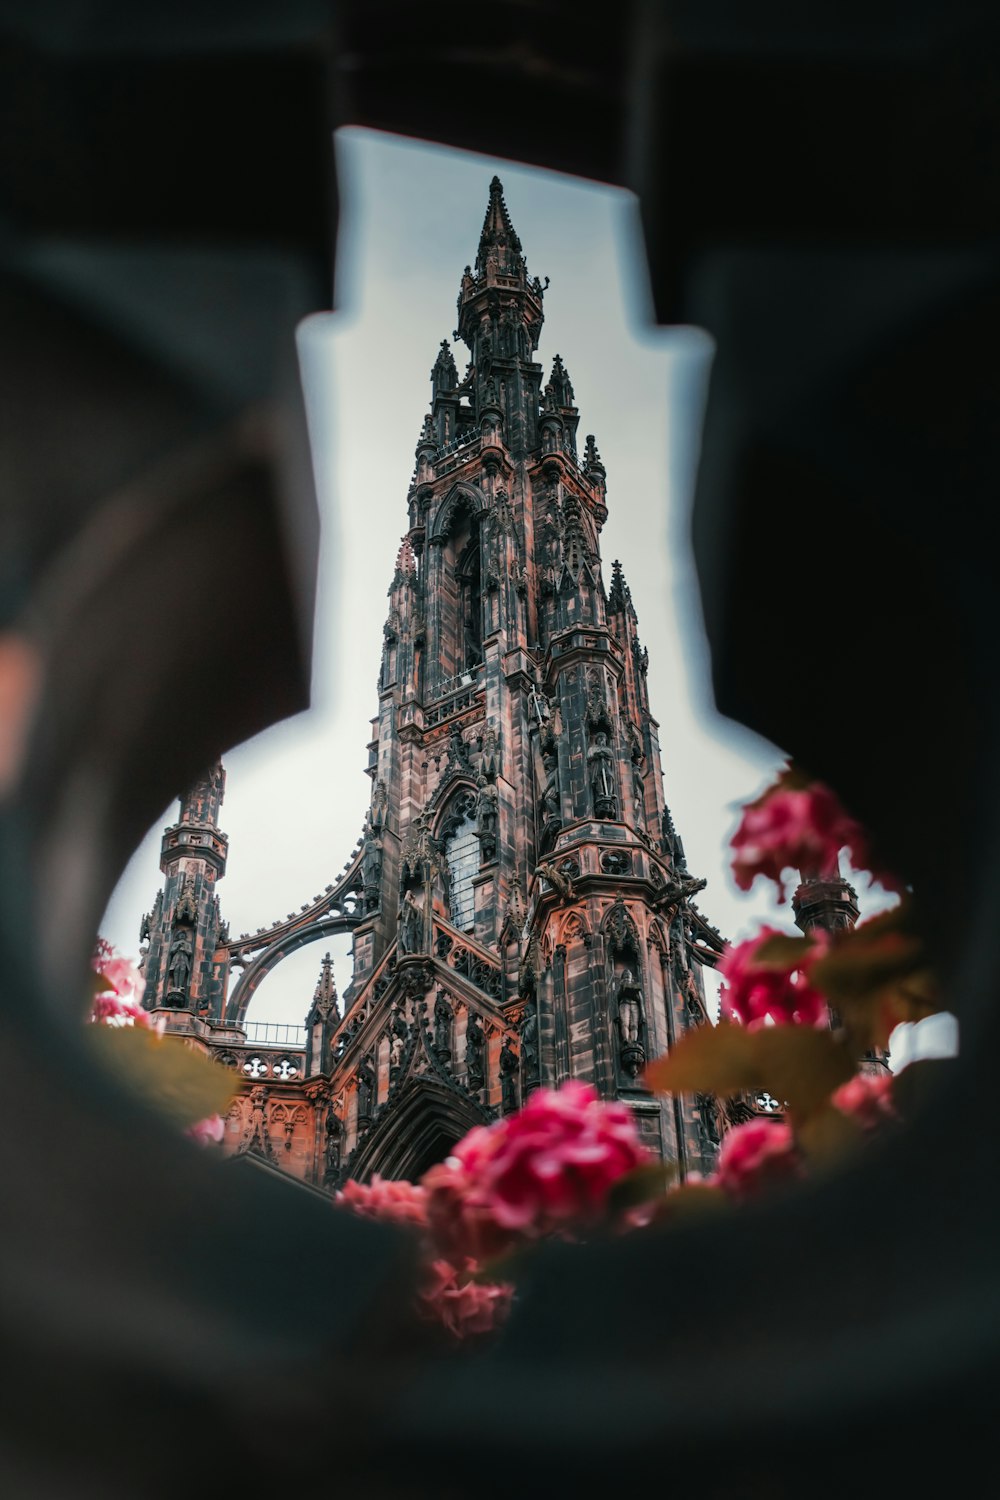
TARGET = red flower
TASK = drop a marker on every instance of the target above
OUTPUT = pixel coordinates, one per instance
(395, 1202)
(463, 1305)
(756, 1156)
(793, 828)
(756, 989)
(543, 1170)
(867, 1100)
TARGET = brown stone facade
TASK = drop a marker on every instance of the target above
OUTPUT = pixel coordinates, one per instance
(519, 901)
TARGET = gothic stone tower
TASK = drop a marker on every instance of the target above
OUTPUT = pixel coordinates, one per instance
(519, 901)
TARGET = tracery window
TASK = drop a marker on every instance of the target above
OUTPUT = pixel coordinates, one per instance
(462, 852)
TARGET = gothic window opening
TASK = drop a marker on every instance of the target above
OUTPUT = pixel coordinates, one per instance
(462, 852)
(469, 575)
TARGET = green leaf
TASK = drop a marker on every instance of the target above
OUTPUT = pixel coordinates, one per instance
(876, 976)
(801, 1065)
(828, 1136)
(782, 953)
(709, 1060)
(639, 1186)
(798, 1064)
(692, 1199)
(185, 1084)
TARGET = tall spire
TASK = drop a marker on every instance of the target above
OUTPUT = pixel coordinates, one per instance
(498, 234)
(325, 993)
(621, 595)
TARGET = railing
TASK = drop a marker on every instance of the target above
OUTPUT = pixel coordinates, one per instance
(452, 696)
(275, 1034)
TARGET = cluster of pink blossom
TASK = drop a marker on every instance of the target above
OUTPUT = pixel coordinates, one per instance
(547, 1169)
(797, 828)
(460, 1302)
(207, 1132)
(866, 1099)
(450, 1292)
(756, 990)
(756, 1156)
(118, 1003)
(394, 1202)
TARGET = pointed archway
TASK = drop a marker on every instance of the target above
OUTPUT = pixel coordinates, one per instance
(426, 1120)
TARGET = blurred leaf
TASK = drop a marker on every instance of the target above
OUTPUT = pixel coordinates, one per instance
(797, 1064)
(692, 1199)
(709, 1059)
(827, 1136)
(186, 1085)
(782, 953)
(801, 1065)
(639, 1186)
(876, 976)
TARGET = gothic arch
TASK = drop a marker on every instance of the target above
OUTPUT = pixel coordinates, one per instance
(575, 925)
(457, 819)
(256, 972)
(453, 790)
(461, 496)
(657, 938)
(619, 929)
(419, 1128)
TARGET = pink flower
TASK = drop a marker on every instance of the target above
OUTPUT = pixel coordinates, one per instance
(756, 1156)
(463, 1305)
(116, 1003)
(791, 828)
(121, 975)
(867, 1100)
(208, 1132)
(543, 1170)
(395, 1202)
(756, 989)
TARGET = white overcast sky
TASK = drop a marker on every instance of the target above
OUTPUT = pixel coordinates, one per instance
(410, 220)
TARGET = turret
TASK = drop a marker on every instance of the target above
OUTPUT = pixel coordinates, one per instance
(322, 1020)
(500, 318)
(185, 929)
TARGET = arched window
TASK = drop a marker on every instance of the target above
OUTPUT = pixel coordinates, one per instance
(469, 578)
(462, 853)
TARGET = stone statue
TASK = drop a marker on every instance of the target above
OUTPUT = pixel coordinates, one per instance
(486, 820)
(638, 795)
(256, 1133)
(629, 1007)
(333, 1138)
(371, 868)
(475, 1044)
(442, 1025)
(510, 1066)
(600, 759)
(550, 794)
(380, 804)
(366, 1088)
(399, 1034)
(539, 704)
(179, 961)
(411, 924)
